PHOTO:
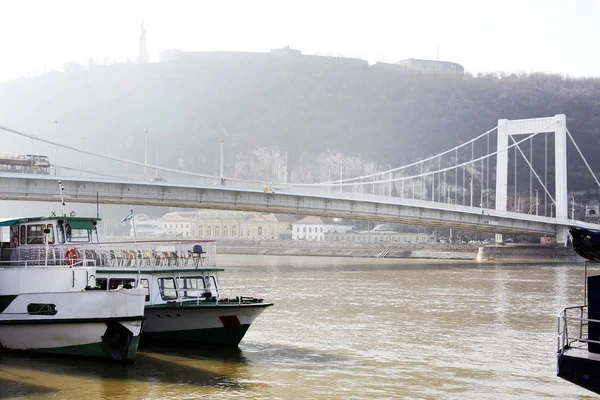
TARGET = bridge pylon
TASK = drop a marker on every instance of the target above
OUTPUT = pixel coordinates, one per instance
(556, 125)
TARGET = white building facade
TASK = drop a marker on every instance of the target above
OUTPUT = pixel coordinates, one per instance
(315, 228)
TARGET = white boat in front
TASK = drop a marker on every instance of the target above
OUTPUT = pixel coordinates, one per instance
(183, 298)
(53, 307)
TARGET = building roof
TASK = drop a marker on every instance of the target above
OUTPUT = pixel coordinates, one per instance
(179, 216)
(323, 221)
(384, 228)
(311, 220)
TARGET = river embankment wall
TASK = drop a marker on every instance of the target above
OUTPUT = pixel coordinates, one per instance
(467, 252)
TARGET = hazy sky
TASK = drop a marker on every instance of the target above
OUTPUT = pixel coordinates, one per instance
(483, 35)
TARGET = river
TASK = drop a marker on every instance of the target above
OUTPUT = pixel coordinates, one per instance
(348, 329)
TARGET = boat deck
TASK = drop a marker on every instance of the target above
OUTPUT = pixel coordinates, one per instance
(581, 353)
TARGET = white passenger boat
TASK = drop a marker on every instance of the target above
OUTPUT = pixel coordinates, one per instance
(185, 302)
(48, 300)
(183, 298)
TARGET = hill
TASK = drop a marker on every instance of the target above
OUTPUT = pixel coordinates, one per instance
(320, 110)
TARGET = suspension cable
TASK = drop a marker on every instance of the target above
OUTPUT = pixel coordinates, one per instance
(583, 158)
(414, 163)
(533, 171)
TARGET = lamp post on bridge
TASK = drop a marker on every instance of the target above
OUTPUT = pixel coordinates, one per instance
(145, 154)
(81, 157)
(55, 145)
(390, 182)
(573, 207)
(222, 159)
(341, 173)
(285, 166)
(537, 202)
(471, 189)
(156, 174)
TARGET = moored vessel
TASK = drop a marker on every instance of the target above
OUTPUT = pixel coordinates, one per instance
(48, 303)
(183, 298)
(578, 353)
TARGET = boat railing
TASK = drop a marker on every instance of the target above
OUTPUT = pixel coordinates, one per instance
(572, 329)
(202, 295)
(118, 254)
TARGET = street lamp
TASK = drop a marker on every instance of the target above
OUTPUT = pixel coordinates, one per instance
(285, 167)
(471, 189)
(157, 147)
(537, 202)
(572, 207)
(390, 183)
(55, 144)
(222, 158)
(81, 157)
(341, 174)
(145, 153)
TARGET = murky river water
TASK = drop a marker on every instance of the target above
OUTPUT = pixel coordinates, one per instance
(349, 329)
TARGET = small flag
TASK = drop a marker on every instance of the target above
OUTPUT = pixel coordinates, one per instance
(128, 217)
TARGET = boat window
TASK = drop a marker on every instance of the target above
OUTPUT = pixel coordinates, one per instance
(101, 283)
(194, 283)
(51, 234)
(22, 235)
(127, 283)
(167, 288)
(61, 233)
(41, 309)
(35, 234)
(78, 235)
(146, 285)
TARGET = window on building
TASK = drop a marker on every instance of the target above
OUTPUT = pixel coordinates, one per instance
(187, 226)
(321, 229)
(225, 231)
(217, 231)
(260, 231)
(309, 229)
(208, 232)
(304, 229)
(233, 231)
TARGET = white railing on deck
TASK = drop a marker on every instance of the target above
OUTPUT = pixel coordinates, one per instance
(117, 254)
(572, 329)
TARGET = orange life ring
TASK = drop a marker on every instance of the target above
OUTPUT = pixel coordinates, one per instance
(70, 256)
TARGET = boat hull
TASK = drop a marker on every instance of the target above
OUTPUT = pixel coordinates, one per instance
(104, 324)
(580, 367)
(223, 324)
(112, 339)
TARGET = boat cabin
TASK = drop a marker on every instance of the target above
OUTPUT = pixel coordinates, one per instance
(74, 241)
(165, 286)
(31, 232)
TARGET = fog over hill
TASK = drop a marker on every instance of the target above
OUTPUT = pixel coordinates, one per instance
(318, 108)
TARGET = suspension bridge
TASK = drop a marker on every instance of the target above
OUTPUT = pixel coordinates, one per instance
(472, 186)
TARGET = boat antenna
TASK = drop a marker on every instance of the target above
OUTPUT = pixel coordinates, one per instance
(97, 206)
(62, 198)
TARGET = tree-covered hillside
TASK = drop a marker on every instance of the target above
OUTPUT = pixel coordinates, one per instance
(318, 111)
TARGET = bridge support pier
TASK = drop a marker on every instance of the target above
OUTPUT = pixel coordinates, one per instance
(556, 125)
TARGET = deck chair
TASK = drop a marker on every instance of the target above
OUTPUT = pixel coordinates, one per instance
(197, 252)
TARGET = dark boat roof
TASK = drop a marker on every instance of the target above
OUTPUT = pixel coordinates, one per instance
(586, 243)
